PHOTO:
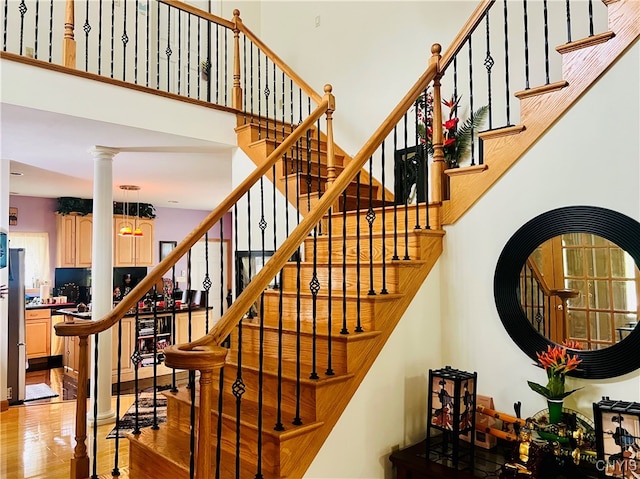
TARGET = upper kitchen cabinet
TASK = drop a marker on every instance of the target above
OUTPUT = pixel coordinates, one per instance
(133, 250)
(74, 240)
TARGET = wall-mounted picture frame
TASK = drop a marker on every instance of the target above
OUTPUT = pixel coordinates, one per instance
(166, 247)
(13, 216)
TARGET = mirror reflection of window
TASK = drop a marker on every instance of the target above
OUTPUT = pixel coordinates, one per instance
(581, 287)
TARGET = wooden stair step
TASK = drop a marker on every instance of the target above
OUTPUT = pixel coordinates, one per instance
(165, 454)
(316, 183)
(394, 245)
(285, 344)
(179, 415)
(385, 275)
(365, 305)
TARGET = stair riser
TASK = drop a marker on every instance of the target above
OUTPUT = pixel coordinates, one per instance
(265, 147)
(393, 221)
(290, 312)
(251, 344)
(270, 384)
(354, 280)
(353, 189)
(393, 246)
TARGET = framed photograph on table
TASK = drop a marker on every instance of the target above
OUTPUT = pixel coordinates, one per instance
(166, 247)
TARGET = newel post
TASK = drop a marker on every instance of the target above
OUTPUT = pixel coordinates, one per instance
(237, 89)
(205, 428)
(69, 43)
(80, 460)
(437, 177)
(331, 160)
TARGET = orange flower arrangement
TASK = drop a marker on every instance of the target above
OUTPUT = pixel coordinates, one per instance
(557, 362)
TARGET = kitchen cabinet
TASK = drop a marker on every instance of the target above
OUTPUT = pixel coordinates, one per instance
(38, 333)
(74, 240)
(133, 250)
(197, 325)
(57, 342)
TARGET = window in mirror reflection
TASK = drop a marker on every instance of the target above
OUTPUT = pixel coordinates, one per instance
(581, 287)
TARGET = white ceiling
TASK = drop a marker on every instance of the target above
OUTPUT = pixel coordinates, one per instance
(51, 150)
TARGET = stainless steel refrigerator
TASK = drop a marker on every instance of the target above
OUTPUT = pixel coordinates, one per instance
(17, 353)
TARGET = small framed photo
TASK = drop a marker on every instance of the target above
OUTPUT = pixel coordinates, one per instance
(617, 425)
(13, 216)
(166, 247)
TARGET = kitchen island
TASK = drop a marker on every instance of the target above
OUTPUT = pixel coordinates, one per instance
(154, 328)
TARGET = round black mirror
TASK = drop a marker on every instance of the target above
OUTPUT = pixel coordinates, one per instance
(616, 360)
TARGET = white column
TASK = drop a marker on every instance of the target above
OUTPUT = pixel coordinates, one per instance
(102, 280)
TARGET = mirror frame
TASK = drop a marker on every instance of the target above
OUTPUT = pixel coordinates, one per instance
(613, 361)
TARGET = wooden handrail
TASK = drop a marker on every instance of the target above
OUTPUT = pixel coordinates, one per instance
(276, 59)
(86, 328)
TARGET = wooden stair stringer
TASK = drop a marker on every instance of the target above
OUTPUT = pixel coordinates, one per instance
(581, 69)
(390, 314)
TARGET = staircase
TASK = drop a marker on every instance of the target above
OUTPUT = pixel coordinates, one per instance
(357, 319)
(288, 452)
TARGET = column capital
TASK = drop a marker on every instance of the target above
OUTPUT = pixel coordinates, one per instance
(103, 152)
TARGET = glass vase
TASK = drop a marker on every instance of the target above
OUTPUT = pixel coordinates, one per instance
(555, 410)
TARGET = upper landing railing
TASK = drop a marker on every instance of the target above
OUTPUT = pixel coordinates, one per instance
(162, 45)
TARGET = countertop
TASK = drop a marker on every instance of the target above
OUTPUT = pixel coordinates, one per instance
(73, 312)
(49, 306)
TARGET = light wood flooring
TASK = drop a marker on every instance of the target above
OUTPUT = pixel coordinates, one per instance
(37, 437)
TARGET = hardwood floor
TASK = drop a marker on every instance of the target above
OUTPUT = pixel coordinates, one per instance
(37, 437)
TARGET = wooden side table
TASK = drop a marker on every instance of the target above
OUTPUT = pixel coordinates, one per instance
(411, 463)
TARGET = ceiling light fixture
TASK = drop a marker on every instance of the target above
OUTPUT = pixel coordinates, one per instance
(126, 230)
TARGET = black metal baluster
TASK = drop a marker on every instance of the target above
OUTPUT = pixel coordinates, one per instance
(545, 13)
(192, 421)
(238, 388)
(86, 27)
(275, 108)
(113, 38)
(568, 8)
(259, 98)
(168, 50)
(22, 8)
(506, 62)
(297, 420)
(488, 64)
(217, 63)
(406, 196)
(251, 83)
(125, 41)
(329, 371)
(267, 92)
(174, 385)
(358, 328)
(115, 471)
(415, 163)
(344, 329)
(135, 46)
(526, 44)
(262, 224)
(147, 58)
(50, 30)
(4, 34)
(384, 290)
(471, 111)
(226, 64)
(158, 47)
(179, 79)
(395, 202)
(314, 287)
(156, 326)
(37, 19)
(279, 426)
(590, 18)
(371, 216)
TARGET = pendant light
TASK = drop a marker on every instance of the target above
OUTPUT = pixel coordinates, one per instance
(126, 229)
